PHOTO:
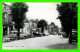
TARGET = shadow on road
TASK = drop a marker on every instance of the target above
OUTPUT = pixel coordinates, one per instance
(63, 37)
(63, 46)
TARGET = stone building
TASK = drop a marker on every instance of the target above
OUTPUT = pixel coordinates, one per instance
(7, 20)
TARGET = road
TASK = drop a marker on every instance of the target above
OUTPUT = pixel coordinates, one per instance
(45, 42)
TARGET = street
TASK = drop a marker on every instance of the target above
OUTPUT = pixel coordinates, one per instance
(45, 42)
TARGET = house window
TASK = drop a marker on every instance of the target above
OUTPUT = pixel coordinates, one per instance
(5, 15)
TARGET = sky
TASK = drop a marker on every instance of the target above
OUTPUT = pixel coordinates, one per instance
(46, 11)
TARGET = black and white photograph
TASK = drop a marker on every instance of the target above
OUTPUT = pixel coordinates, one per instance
(39, 25)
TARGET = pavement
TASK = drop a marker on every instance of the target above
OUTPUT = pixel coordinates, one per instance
(44, 42)
(10, 37)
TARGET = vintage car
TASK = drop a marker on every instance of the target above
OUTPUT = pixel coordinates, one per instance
(64, 34)
(73, 36)
(35, 32)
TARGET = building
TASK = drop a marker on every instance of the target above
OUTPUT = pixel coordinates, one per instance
(7, 20)
(26, 28)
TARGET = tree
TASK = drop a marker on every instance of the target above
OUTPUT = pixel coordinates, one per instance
(52, 23)
(18, 11)
(53, 27)
(68, 16)
(42, 24)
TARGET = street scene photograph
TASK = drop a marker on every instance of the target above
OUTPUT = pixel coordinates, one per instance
(41, 26)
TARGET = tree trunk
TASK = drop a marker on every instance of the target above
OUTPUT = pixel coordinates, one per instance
(18, 34)
(42, 30)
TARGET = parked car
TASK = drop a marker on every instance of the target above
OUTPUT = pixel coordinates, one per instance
(35, 32)
(73, 36)
(64, 34)
(59, 33)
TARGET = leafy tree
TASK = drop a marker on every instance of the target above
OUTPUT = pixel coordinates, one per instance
(54, 26)
(68, 16)
(42, 24)
(18, 11)
(52, 23)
